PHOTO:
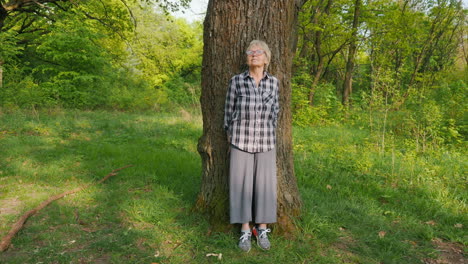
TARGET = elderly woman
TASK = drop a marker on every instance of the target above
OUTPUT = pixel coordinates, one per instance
(250, 118)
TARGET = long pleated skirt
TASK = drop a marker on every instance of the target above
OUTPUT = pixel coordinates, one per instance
(252, 186)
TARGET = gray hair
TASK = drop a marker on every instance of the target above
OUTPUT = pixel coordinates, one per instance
(264, 47)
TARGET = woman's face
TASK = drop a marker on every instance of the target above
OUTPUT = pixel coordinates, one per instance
(256, 57)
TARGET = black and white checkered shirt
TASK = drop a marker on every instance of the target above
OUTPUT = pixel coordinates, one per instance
(251, 113)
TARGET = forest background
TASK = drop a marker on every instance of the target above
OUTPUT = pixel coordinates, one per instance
(410, 69)
(403, 121)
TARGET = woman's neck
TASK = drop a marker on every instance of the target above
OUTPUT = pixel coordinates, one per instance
(256, 72)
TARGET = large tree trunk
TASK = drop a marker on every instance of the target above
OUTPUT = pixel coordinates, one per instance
(229, 27)
(348, 81)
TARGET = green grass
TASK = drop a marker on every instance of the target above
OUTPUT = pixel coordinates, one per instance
(351, 190)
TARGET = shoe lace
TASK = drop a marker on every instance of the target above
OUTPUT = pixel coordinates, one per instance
(244, 237)
(263, 233)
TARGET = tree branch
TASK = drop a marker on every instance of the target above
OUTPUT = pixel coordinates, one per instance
(131, 13)
(6, 241)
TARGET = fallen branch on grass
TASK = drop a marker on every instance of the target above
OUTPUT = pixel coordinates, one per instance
(6, 241)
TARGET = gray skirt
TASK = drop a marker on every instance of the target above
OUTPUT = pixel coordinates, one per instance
(252, 186)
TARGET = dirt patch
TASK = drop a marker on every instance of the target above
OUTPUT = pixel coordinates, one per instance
(103, 259)
(186, 116)
(342, 250)
(10, 206)
(449, 253)
(9, 254)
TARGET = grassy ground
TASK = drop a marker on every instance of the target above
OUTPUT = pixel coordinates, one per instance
(361, 204)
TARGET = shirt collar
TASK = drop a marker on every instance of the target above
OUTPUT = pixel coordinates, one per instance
(247, 74)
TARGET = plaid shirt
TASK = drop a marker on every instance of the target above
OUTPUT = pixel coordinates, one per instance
(251, 113)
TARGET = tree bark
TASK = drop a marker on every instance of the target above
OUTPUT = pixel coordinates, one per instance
(28, 6)
(1, 73)
(320, 55)
(3, 16)
(229, 27)
(316, 71)
(348, 80)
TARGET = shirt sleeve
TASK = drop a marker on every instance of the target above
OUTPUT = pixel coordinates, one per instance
(229, 104)
(276, 107)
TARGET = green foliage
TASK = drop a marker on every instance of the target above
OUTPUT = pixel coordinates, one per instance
(440, 115)
(331, 30)
(90, 56)
(182, 92)
(8, 49)
(69, 69)
(453, 101)
(24, 92)
(326, 108)
(168, 56)
(75, 68)
(406, 55)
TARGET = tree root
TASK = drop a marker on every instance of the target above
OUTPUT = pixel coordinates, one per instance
(6, 241)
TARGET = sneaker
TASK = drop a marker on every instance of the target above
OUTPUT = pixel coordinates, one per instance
(262, 238)
(244, 241)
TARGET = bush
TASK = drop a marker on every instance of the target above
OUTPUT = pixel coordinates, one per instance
(326, 105)
(183, 92)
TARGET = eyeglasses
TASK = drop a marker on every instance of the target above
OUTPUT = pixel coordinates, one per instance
(254, 52)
